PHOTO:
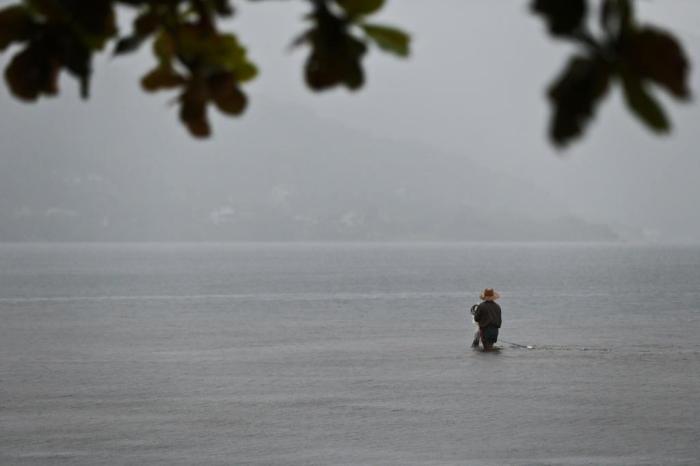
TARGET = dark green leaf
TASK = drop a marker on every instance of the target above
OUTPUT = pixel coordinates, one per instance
(146, 24)
(226, 94)
(336, 55)
(656, 55)
(340, 64)
(198, 45)
(32, 72)
(49, 9)
(388, 38)
(15, 25)
(245, 72)
(164, 49)
(575, 95)
(564, 17)
(161, 77)
(77, 58)
(360, 7)
(193, 110)
(127, 44)
(231, 55)
(94, 21)
(642, 104)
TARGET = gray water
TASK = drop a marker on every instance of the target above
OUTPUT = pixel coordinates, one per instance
(347, 355)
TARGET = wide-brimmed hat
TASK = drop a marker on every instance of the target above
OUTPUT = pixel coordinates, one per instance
(489, 294)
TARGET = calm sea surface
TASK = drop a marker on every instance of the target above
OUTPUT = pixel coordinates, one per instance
(347, 355)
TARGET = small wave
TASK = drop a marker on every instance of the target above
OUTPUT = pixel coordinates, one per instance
(571, 348)
(58, 299)
(241, 296)
(512, 345)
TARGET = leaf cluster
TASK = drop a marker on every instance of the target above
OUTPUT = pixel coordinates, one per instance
(55, 35)
(338, 40)
(636, 56)
(207, 67)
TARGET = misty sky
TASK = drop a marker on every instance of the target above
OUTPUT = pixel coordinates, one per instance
(473, 88)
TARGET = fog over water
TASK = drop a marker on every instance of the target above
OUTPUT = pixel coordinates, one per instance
(446, 145)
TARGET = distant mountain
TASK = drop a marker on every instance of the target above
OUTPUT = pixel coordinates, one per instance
(311, 180)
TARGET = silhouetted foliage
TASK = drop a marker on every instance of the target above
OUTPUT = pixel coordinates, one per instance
(207, 66)
(636, 55)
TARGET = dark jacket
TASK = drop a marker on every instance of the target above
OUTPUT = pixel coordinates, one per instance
(488, 313)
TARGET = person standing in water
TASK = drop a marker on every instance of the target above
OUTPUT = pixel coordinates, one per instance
(488, 316)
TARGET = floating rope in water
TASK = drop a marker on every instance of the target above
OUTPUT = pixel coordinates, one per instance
(518, 345)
